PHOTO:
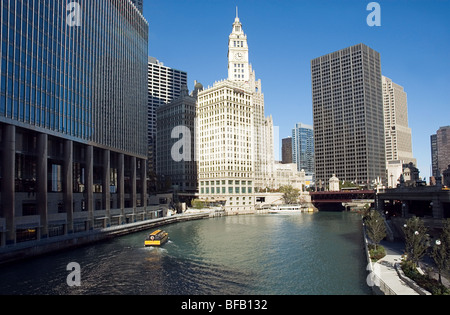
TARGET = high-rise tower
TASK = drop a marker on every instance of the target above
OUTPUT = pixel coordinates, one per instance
(72, 117)
(234, 139)
(303, 148)
(164, 85)
(440, 150)
(348, 115)
(397, 133)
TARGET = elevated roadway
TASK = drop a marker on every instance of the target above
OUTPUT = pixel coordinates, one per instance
(338, 199)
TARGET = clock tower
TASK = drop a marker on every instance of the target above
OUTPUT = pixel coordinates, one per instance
(250, 168)
(238, 66)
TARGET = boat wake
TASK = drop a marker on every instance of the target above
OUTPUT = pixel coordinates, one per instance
(155, 249)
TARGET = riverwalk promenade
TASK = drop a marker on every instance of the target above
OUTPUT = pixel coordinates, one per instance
(389, 278)
(387, 271)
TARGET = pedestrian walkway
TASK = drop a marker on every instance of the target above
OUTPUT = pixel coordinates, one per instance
(385, 269)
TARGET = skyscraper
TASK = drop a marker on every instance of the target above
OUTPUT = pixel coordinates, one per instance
(434, 156)
(303, 148)
(225, 134)
(72, 116)
(177, 119)
(440, 150)
(286, 150)
(240, 71)
(348, 115)
(164, 85)
(398, 140)
(232, 133)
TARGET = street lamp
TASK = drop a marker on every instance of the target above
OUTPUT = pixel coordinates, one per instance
(439, 258)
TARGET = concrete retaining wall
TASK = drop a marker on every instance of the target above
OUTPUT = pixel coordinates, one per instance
(44, 246)
(410, 282)
(378, 286)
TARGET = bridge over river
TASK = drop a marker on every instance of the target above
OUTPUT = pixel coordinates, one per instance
(427, 201)
(339, 200)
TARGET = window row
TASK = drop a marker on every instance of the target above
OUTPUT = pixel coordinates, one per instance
(223, 190)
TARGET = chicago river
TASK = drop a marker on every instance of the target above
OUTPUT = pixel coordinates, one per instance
(318, 253)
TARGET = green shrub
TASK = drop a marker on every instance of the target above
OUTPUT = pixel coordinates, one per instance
(198, 204)
(376, 253)
(429, 284)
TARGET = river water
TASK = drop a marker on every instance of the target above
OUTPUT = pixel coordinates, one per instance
(319, 253)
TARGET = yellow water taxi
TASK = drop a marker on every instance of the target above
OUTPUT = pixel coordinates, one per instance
(156, 238)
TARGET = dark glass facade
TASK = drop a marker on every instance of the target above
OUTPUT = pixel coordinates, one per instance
(303, 148)
(73, 116)
(85, 82)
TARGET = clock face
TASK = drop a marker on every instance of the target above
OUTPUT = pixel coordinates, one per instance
(239, 56)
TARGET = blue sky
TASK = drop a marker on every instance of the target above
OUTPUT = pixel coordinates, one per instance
(284, 36)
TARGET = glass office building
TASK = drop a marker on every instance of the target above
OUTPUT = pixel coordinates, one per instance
(73, 108)
(303, 148)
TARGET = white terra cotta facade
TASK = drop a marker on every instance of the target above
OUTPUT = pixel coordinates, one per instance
(234, 156)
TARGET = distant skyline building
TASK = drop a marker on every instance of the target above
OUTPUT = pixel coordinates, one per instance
(288, 175)
(401, 173)
(394, 171)
(440, 151)
(446, 177)
(265, 160)
(434, 156)
(303, 148)
(398, 136)
(348, 116)
(176, 116)
(234, 138)
(164, 85)
(72, 118)
(286, 150)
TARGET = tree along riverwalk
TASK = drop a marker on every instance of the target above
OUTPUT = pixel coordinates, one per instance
(385, 276)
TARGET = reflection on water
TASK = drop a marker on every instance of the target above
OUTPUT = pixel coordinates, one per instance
(318, 253)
